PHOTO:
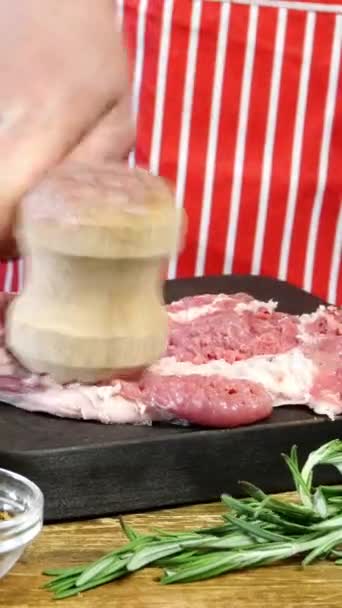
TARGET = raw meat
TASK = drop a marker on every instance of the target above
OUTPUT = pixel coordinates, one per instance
(229, 361)
(204, 400)
(231, 328)
(321, 337)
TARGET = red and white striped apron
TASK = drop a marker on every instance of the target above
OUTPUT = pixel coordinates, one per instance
(239, 103)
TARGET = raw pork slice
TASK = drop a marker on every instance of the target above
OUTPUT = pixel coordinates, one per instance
(321, 338)
(231, 328)
(229, 361)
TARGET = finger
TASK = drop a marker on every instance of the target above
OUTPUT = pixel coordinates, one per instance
(8, 246)
(111, 139)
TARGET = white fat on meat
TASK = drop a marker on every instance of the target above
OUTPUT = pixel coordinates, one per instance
(194, 312)
(102, 403)
(307, 319)
(308, 334)
(187, 315)
(255, 306)
(288, 377)
(313, 316)
(323, 407)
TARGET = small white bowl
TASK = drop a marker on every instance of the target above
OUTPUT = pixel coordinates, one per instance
(24, 501)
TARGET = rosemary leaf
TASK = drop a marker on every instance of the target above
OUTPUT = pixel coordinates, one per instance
(324, 546)
(231, 541)
(67, 583)
(302, 487)
(60, 580)
(251, 490)
(217, 530)
(256, 531)
(336, 553)
(335, 502)
(64, 571)
(329, 453)
(94, 570)
(147, 555)
(320, 504)
(328, 524)
(59, 595)
(128, 531)
(283, 525)
(175, 560)
(219, 563)
(236, 505)
(331, 491)
(62, 588)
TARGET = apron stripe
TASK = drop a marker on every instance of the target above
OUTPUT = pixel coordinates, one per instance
(268, 158)
(337, 264)
(325, 149)
(3, 269)
(283, 144)
(199, 134)
(255, 142)
(15, 277)
(232, 85)
(138, 66)
(328, 219)
(150, 72)
(297, 144)
(163, 65)
(334, 269)
(241, 139)
(187, 110)
(178, 81)
(217, 98)
(8, 277)
(312, 136)
(20, 274)
(139, 57)
(305, 5)
(120, 12)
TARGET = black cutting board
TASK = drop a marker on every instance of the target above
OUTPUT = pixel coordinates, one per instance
(87, 469)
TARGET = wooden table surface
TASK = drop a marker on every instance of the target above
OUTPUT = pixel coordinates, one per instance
(284, 586)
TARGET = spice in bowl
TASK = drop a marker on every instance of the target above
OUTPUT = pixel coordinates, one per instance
(21, 517)
(5, 515)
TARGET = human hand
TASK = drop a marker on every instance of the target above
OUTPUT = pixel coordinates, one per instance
(64, 90)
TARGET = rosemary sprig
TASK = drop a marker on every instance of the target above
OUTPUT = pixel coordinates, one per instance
(216, 563)
(256, 531)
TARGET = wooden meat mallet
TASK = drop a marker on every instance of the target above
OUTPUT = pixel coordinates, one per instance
(95, 239)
